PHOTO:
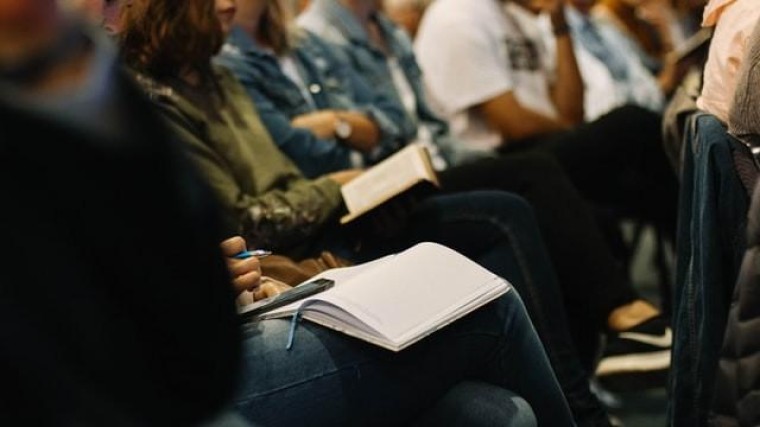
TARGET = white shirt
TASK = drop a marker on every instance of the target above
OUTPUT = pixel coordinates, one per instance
(472, 51)
(290, 68)
(409, 100)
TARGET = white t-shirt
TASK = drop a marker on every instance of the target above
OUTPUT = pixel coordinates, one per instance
(409, 100)
(289, 67)
(474, 50)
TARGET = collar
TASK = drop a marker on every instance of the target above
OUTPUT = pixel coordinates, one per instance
(575, 18)
(342, 19)
(244, 44)
(713, 10)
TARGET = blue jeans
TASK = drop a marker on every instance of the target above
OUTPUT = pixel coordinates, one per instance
(478, 404)
(499, 231)
(330, 379)
(710, 241)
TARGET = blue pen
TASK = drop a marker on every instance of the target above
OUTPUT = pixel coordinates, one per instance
(258, 253)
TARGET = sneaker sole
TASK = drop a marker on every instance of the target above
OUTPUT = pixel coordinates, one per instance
(656, 361)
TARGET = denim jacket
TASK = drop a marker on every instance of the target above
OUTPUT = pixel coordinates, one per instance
(711, 240)
(337, 25)
(331, 84)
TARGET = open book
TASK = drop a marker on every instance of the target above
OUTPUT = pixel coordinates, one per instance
(395, 175)
(397, 300)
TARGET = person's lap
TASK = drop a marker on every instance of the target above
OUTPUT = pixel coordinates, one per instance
(330, 379)
(616, 161)
(498, 230)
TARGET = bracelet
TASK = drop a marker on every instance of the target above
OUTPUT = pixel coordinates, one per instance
(560, 30)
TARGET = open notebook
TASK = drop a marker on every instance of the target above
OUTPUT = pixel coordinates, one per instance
(397, 300)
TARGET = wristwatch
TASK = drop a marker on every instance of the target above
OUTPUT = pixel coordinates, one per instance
(343, 129)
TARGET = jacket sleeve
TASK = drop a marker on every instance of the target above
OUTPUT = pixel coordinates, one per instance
(313, 156)
(388, 115)
(276, 219)
(381, 107)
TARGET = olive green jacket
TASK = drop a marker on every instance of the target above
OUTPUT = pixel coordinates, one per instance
(264, 194)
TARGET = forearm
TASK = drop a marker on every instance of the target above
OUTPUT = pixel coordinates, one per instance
(365, 134)
(515, 122)
(280, 219)
(324, 124)
(567, 92)
(529, 124)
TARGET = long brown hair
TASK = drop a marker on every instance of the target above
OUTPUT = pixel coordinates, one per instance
(275, 28)
(165, 38)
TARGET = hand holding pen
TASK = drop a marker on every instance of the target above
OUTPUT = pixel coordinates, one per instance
(258, 253)
(243, 265)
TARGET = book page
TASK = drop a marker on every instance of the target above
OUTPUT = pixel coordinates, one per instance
(387, 179)
(423, 286)
(399, 299)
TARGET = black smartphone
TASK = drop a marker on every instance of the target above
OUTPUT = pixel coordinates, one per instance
(297, 293)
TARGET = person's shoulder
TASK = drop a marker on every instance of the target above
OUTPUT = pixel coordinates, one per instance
(445, 12)
(319, 25)
(155, 90)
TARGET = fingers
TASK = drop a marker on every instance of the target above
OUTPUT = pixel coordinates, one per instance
(269, 288)
(246, 273)
(232, 246)
(239, 267)
(247, 282)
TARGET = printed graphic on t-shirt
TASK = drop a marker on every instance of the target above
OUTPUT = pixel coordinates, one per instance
(523, 54)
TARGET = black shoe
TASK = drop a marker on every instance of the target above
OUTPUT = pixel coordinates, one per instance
(638, 357)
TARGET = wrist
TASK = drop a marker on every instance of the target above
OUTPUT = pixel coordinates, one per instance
(560, 30)
(559, 23)
(342, 128)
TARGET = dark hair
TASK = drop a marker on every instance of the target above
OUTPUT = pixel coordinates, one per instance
(163, 38)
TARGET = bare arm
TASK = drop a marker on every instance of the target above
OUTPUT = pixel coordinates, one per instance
(567, 92)
(365, 134)
(516, 122)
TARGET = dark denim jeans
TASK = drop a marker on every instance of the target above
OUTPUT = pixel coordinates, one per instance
(499, 231)
(329, 379)
(710, 244)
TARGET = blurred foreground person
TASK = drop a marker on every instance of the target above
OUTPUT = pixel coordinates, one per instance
(115, 304)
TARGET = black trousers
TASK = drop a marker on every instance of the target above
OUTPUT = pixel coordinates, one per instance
(591, 280)
(616, 162)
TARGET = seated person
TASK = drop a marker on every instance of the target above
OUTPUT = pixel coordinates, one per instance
(116, 307)
(509, 98)
(406, 13)
(613, 74)
(736, 376)
(220, 131)
(255, 190)
(255, 52)
(134, 333)
(653, 25)
(382, 55)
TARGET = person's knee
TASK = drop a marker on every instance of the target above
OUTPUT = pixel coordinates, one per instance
(512, 209)
(639, 118)
(480, 404)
